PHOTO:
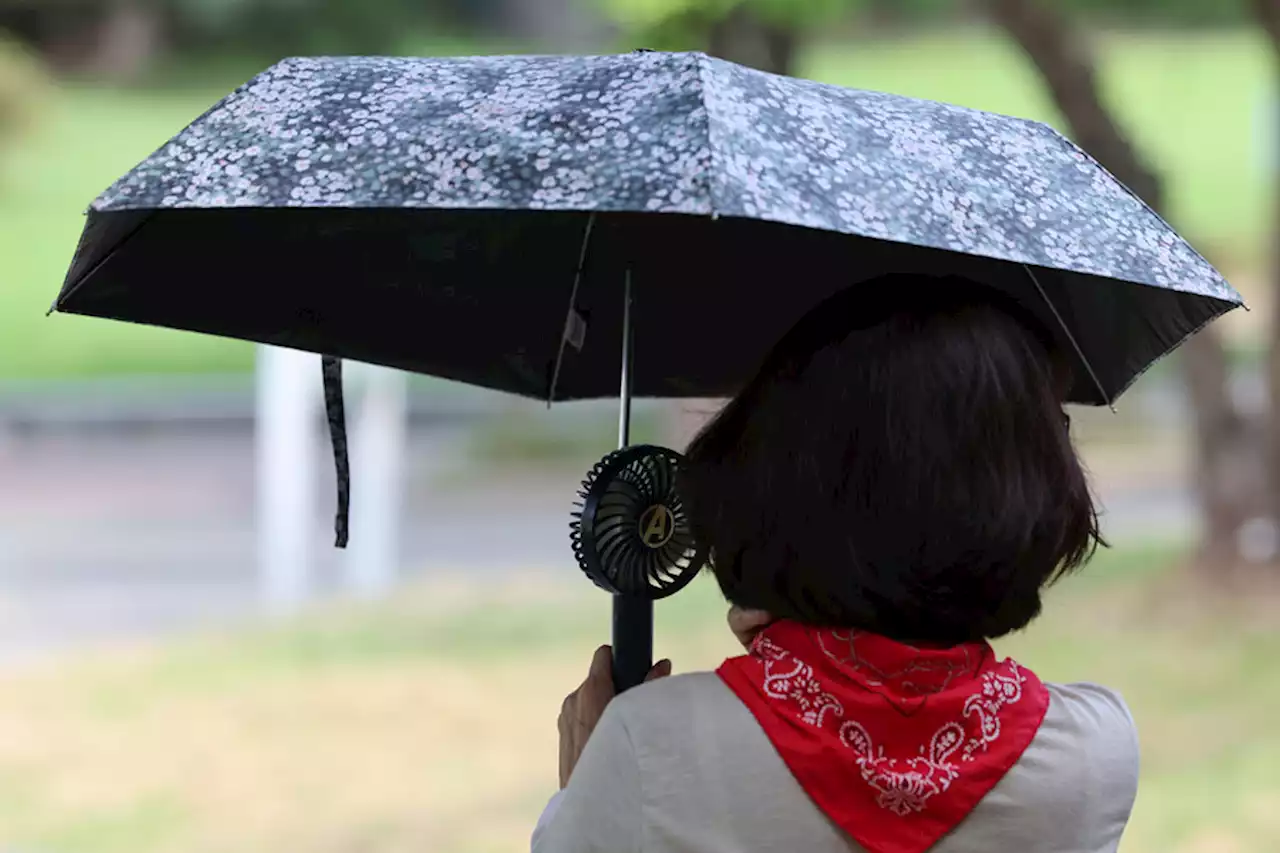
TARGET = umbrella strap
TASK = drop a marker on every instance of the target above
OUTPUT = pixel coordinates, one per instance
(335, 412)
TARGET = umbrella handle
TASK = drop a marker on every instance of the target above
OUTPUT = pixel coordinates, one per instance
(632, 641)
(632, 615)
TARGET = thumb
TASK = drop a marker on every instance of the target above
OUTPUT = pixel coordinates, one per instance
(660, 670)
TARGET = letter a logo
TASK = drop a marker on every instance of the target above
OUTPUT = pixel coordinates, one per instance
(656, 526)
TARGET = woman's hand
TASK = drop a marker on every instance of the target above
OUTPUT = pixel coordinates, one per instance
(583, 707)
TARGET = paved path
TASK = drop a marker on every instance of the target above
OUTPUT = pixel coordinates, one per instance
(114, 537)
(105, 537)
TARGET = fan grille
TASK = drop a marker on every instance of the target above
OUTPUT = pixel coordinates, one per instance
(631, 532)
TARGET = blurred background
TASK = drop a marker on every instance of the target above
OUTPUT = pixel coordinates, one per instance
(186, 664)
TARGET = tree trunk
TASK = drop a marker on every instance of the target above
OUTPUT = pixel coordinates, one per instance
(127, 41)
(1267, 13)
(115, 41)
(739, 36)
(1226, 446)
(553, 24)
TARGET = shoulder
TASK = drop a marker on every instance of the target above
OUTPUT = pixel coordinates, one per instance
(666, 709)
(1094, 724)
(1091, 710)
(1075, 784)
(673, 694)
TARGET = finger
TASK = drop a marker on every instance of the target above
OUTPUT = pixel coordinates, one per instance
(660, 670)
(597, 689)
(600, 676)
(569, 708)
(746, 624)
(599, 692)
(602, 663)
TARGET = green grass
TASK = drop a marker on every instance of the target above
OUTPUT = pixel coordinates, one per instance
(428, 722)
(1188, 99)
(88, 139)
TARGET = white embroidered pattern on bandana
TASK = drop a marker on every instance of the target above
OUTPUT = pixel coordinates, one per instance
(904, 784)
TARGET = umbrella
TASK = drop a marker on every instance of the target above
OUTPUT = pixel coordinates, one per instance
(532, 223)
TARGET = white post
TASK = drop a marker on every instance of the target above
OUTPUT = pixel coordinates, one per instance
(378, 435)
(288, 393)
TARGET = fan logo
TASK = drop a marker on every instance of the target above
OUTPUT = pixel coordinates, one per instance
(656, 526)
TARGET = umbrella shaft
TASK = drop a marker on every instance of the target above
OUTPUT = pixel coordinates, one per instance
(632, 615)
(632, 640)
(624, 393)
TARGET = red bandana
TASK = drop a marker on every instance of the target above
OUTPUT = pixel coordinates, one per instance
(895, 744)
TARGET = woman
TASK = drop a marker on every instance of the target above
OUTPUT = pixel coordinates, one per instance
(885, 497)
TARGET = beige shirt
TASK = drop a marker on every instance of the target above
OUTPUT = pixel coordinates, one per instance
(681, 766)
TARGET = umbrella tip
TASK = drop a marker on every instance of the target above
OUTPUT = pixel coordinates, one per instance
(1245, 306)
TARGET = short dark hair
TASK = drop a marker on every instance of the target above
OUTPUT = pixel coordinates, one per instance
(900, 464)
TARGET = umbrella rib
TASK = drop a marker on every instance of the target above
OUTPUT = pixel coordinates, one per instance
(63, 297)
(1106, 398)
(573, 300)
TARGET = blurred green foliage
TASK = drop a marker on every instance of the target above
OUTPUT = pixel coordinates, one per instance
(271, 28)
(1168, 12)
(640, 15)
(671, 24)
(369, 26)
(276, 27)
